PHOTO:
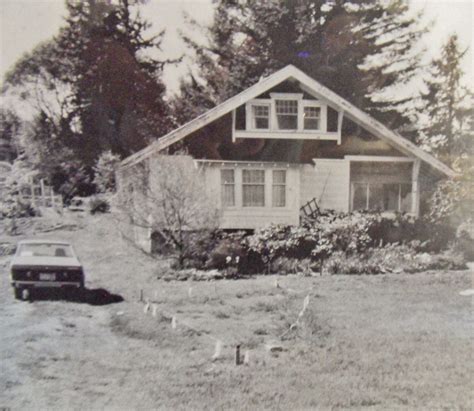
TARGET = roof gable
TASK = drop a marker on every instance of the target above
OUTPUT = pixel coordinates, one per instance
(314, 88)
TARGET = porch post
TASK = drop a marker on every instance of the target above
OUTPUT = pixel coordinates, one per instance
(415, 187)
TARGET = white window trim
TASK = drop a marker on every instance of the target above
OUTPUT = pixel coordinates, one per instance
(271, 102)
(268, 189)
(249, 114)
(265, 189)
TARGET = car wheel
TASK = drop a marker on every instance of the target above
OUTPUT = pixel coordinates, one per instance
(17, 291)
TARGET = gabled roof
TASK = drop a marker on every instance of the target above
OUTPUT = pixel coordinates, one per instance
(311, 86)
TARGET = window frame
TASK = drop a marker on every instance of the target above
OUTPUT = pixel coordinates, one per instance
(291, 115)
(225, 184)
(367, 184)
(320, 117)
(284, 185)
(245, 184)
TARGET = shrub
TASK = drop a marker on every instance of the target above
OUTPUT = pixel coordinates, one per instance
(393, 258)
(98, 205)
(284, 266)
(104, 172)
(228, 250)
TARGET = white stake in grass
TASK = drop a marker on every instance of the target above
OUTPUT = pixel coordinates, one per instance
(154, 309)
(173, 323)
(217, 350)
(190, 292)
(146, 308)
(247, 357)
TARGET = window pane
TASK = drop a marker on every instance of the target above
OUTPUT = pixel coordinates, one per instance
(279, 176)
(287, 114)
(287, 122)
(253, 195)
(376, 197)
(391, 193)
(261, 123)
(227, 188)
(253, 176)
(359, 201)
(253, 188)
(406, 198)
(286, 107)
(279, 188)
(227, 176)
(261, 115)
(311, 124)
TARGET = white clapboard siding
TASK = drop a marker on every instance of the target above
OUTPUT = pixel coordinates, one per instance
(328, 182)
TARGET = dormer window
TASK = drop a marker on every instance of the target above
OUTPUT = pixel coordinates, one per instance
(261, 116)
(287, 114)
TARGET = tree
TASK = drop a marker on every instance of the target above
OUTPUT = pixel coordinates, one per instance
(93, 85)
(359, 49)
(446, 117)
(168, 197)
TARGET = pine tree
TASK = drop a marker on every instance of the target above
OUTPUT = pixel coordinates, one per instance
(359, 49)
(446, 118)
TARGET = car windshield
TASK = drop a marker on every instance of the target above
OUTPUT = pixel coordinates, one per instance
(45, 250)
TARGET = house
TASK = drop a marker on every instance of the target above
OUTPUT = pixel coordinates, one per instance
(288, 141)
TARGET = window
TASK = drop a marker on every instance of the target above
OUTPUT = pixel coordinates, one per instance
(287, 114)
(383, 197)
(261, 116)
(279, 188)
(312, 117)
(253, 188)
(228, 188)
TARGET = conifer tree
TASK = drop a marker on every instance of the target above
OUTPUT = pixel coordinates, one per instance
(359, 49)
(93, 86)
(446, 118)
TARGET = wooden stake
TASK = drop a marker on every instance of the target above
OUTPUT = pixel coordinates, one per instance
(141, 296)
(237, 355)
(173, 323)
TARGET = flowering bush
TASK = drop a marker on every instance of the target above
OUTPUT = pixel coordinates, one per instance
(393, 258)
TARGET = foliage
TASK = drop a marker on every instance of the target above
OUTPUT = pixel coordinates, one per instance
(351, 234)
(167, 195)
(10, 126)
(12, 205)
(393, 258)
(452, 199)
(93, 87)
(284, 265)
(104, 171)
(340, 44)
(98, 204)
(229, 250)
(447, 112)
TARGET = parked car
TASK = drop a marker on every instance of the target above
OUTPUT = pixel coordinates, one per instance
(45, 264)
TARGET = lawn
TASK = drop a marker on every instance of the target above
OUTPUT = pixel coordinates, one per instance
(382, 342)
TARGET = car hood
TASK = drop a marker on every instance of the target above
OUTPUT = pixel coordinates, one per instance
(46, 261)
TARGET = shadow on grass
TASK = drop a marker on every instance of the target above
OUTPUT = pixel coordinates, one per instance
(96, 296)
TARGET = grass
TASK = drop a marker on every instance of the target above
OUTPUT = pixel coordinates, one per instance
(383, 342)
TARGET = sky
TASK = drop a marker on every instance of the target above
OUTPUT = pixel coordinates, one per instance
(25, 23)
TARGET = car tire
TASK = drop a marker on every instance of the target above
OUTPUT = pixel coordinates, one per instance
(18, 292)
